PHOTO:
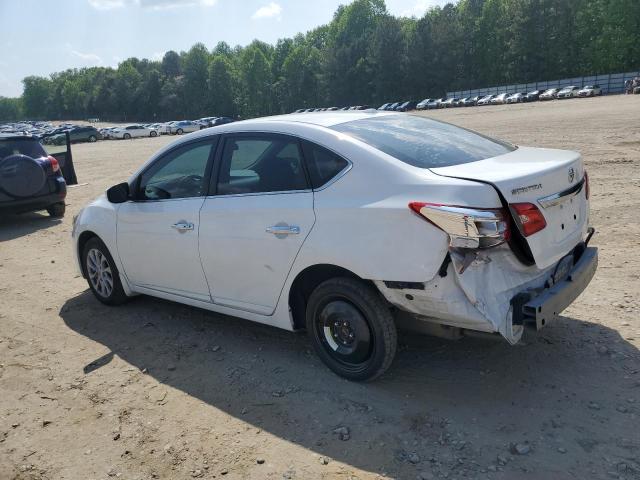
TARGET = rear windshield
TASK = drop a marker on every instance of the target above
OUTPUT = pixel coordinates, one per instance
(423, 142)
(29, 147)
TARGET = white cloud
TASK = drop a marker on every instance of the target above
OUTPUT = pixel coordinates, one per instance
(149, 4)
(107, 4)
(157, 56)
(90, 58)
(268, 11)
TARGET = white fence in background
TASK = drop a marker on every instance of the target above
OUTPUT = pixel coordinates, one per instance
(610, 83)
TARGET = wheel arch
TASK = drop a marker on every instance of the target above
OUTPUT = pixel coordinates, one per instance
(307, 280)
(82, 241)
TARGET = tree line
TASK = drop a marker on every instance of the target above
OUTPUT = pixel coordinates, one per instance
(363, 56)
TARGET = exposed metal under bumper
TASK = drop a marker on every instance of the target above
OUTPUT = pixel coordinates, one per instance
(547, 306)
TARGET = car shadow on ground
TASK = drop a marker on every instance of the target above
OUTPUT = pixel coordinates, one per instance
(454, 404)
(15, 226)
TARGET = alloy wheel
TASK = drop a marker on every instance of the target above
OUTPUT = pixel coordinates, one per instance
(99, 272)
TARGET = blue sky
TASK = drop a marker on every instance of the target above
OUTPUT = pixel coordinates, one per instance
(44, 36)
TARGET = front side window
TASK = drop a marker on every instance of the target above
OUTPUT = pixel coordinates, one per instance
(423, 142)
(260, 164)
(179, 174)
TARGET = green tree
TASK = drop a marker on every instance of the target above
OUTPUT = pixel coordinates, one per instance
(196, 64)
(220, 84)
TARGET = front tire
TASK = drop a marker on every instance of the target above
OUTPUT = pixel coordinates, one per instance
(126, 136)
(57, 210)
(92, 139)
(101, 273)
(351, 328)
(179, 131)
(153, 133)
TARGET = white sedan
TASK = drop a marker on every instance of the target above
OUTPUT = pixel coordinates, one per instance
(568, 92)
(590, 91)
(516, 98)
(341, 223)
(133, 131)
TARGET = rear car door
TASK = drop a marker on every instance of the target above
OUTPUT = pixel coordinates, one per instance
(157, 232)
(256, 220)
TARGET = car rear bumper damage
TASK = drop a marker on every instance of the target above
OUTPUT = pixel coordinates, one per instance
(495, 292)
(539, 309)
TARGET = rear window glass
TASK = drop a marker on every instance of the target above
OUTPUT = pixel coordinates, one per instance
(29, 147)
(423, 142)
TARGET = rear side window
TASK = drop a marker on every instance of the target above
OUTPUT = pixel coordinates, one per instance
(423, 142)
(323, 165)
(29, 147)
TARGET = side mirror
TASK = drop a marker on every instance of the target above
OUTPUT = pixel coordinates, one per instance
(118, 193)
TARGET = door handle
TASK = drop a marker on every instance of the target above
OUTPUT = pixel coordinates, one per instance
(284, 230)
(182, 226)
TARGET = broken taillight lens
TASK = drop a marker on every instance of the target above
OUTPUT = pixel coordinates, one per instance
(467, 227)
(528, 217)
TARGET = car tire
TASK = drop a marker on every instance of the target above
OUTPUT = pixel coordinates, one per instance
(351, 328)
(126, 136)
(57, 210)
(153, 133)
(101, 273)
(92, 138)
(179, 131)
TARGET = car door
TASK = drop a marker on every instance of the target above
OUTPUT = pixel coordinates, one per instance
(157, 232)
(256, 220)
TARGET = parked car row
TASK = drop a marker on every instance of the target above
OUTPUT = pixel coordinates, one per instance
(53, 134)
(177, 127)
(571, 91)
(333, 109)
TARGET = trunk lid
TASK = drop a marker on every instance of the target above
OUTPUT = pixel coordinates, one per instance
(552, 180)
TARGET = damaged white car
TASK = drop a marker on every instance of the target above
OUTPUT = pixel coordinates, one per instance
(341, 223)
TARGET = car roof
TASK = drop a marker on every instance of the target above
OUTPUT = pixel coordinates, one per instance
(327, 118)
(16, 136)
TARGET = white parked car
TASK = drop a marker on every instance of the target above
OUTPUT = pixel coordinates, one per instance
(568, 92)
(549, 94)
(133, 131)
(486, 100)
(342, 222)
(590, 91)
(499, 99)
(516, 98)
(184, 126)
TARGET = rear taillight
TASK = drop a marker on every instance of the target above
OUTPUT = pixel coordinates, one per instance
(55, 166)
(586, 184)
(467, 227)
(528, 218)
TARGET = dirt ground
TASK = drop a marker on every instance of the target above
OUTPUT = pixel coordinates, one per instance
(159, 390)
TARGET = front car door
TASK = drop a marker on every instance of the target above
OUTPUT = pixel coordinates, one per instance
(157, 233)
(256, 220)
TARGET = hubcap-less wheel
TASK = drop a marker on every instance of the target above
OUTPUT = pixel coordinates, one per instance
(99, 271)
(345, 334)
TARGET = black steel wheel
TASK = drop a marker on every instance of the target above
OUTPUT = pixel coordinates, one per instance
(351, 328)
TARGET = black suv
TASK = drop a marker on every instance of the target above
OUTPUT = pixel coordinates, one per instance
(30, 179)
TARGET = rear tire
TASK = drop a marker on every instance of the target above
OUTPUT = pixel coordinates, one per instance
(179, 131)
(57, 210)
(101, 273)
(92, 139)
(153, 133)
(351, 328)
